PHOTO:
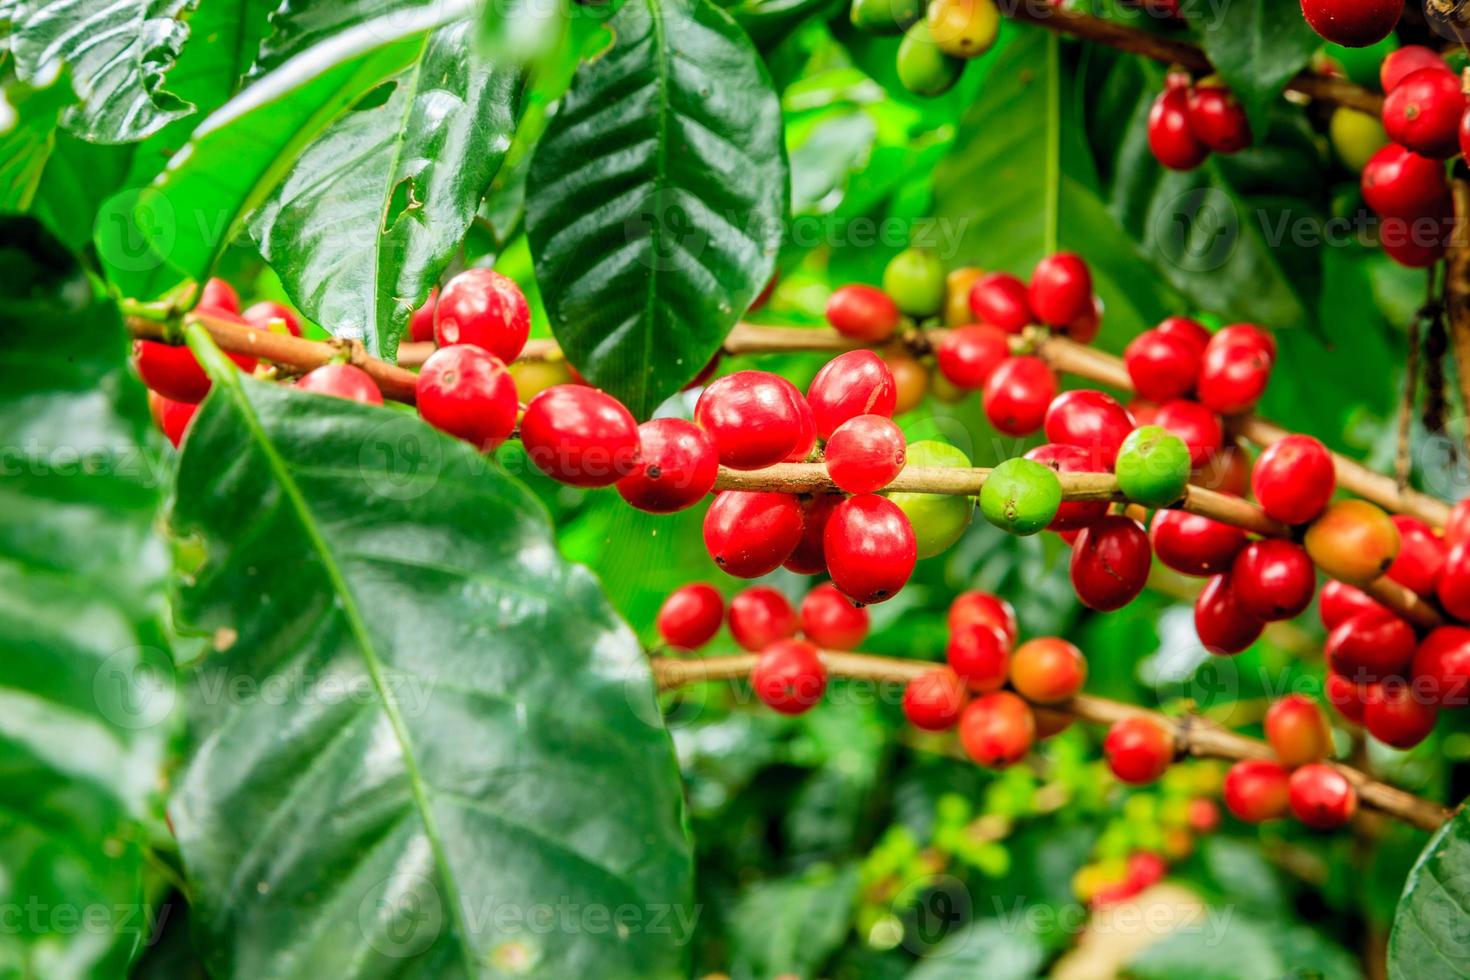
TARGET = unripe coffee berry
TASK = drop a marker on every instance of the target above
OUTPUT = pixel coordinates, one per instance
(851, 384)
(938, 519)
(863, 313)
(1153, 466)
(968, 355)
(1091, 420)
(1321, 797)
(1353, 541)
(980, 653)
(1397, 715)
(1294, 479)
(342, 381)
(1192, 544)
(997, 730)
(1071, 515)
(869, 547)
(974, 606)
(1223, 627)
(467, 392)
(749, 534)
(691, 616)
(1138, 749)
(1002, 301)
(915, 280)
(910, 380)
(1110, 563)
(759, 616)
(484, 308)
(1162, 366)
(1061, 289)
(677, 466)
(789, 676)
(1297, 731)
(580, 436)
(1273, 579)
(1018, 394)
(932, 701)
(831, 621)
(865, 454)
(1047, 670)
(1020, 496)
(1256, 790)
(755, 418)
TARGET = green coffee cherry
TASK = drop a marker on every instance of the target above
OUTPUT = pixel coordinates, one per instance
(914, 279)
(885, 16)
(1021, 496)
(963, 28)
(1153, 466)
(922, 67)
(1355, 136)
(939, 519)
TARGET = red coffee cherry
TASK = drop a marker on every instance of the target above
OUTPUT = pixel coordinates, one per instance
(1071, 514)
(1194, 545)
(1084, 329)
(1217, 120)
(1091, 420)
(1224, 628)
(755, 418)
(1018, 393)
(467, 392)
(342, 381)
(870, 548)
(691, 616)
(751, 534)
(865, 454)
(968, 355)
(1170, 137)
(997, 730)
(174, 372)
(1421, 558)
(831, 621)
(1233, 375)
(1398, 65)
(1273, 579)
(1297, 731)
(1370, 645)
(975, 606)
(1196, 425)
(759, 616)
(1352, 23)
(172, 417)
(1457, 528)
(1294, 479)
(1061, 289)
(1395, 716)
(1419, 241)
(980, 653)
(580, 436)
(932, 701)
(1227, 471)
(810, 558)
(1047, 670)
(484, 308)
(1183, 328)
(1110, 563)
(1162, 366)
(1138, 749)
(1002, 301)
(1398, 182)
(863, 313)
(1424, 110)
(1453, 584)
(262, 314)
(1345, 696)
(1321, 797)
(789, 676)
(1255, 790)
(421, 321)
(1340, 601)
(1441, 666)
(677, 466)
(221, 295)
(851, 384)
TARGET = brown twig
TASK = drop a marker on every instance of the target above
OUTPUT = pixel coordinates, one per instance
(1193, 734)
(1457, 288)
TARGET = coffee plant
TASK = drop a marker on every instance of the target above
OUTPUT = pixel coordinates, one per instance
(734, 489)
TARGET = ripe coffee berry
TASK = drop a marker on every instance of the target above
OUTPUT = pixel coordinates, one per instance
(1453, 583)
(1170, 137)
(580, 436)
(980, 653)
(484, 308)
(975, 606)
(264, 313)
(869, 547)
(220, 295)
(1233, 375)
(1420, 241)
(1255, 790)
(1227, 471)
(755, 418)
(1224, 628)
(789, 676)
(1398, 182)
(1353, 541)
(1217, 120)
(1138, 749)
(1441, 667)
(1183, 328)
(1339, 601)
(421, 321)
(1091, 420)
(1197, 425)
(1002, 301)
(1071, 515)
(1395, 715)
(691, 616)
(1047, 670)
(1161, 366)
(932, 701)
(1423, 112)
(997, 730)
(968, 355)
(831, 621)
(1457, 528)
(863, 313)
(1192, 544)
(1421, 558)
(1018, 393)
(810, 558)
(1294, 479)
(1321, 797)
(1273, 579)
(759, 616)
(1061, 289)
(749, 534)
(1370, 645)
(1345, 696)
(1110, 563)
(172, 417)
(865, 454)
(1083, 330)
(851, 384)
(1398, 65)
(677, 466)
(342, 381)
(467, 392)
(1297, 731)
(1352, 23)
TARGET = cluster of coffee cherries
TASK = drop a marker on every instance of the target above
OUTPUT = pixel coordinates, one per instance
(939, 36)
(1298, 781)
(760, 616)
(1425, 116)
(1189, 120)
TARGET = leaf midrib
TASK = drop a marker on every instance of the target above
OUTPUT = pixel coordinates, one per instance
(660, 180)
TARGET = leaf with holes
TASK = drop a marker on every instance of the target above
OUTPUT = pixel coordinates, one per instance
(1429, 937)
(468, 733)
(655, 199)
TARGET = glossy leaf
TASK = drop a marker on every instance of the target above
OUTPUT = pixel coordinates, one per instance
(791, 926)
(117, 52)
(1256, 46)
(224, 40)
(27, 139)
(1429, 937)
(374, 209)
(468, 734)
(655, 198)
(85, 681)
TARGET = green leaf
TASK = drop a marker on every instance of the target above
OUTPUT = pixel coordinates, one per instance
(26, 142)
(655, 199)
(990, 949)
(467, 743)
(85, 680)
(1257, 948)
(116, 51)
(792, 925)
(224, 39)
(1256, 46)
(374, 209)
(1429, 937)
